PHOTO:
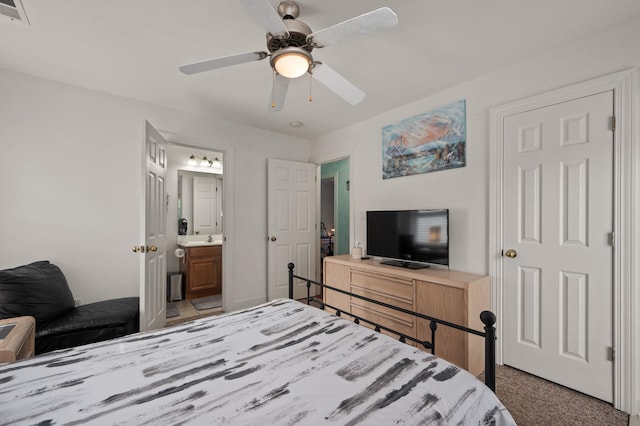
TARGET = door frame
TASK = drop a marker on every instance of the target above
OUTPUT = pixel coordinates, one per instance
(626, 211)
(227, 200)
(352, 197)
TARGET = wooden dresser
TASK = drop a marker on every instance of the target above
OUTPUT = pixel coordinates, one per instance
(453, 296)
(202, 270)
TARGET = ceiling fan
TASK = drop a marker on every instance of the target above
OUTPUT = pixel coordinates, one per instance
(290, 43)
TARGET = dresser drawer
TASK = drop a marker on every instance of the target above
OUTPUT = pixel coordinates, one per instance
(383, 316)
(398, 288)
(401, 317)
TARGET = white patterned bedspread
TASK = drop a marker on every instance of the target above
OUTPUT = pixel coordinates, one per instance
(281, 363)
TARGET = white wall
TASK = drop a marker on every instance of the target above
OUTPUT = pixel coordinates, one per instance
(466, 190)
(70, 184)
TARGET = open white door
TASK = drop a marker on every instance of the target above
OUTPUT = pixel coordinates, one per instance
(291, 225)
(154, 263)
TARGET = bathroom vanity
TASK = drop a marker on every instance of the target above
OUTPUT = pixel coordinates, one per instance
(202, 269)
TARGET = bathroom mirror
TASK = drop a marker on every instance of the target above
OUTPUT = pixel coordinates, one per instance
(200, 202)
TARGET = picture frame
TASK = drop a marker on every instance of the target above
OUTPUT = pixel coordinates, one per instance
(428, 142)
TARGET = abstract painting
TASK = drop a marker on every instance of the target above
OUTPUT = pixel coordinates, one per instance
(427, 142)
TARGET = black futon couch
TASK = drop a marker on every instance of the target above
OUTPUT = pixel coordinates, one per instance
(40, 290)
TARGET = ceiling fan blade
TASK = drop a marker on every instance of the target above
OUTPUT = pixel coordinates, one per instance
(337, 83)
(280, 87)
(376, 20)
(225, 61)
(267, 17)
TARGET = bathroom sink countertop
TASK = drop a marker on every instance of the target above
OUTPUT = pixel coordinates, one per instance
(186, 241)
(199, 243)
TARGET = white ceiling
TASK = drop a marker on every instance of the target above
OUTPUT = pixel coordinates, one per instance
(133, 49)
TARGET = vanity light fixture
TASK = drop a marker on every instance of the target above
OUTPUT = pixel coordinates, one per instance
(204, 162)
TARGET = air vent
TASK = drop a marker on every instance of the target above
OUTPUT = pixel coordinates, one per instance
(13, 10)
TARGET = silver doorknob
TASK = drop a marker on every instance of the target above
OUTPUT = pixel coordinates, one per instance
(511, 254)
(273, 238)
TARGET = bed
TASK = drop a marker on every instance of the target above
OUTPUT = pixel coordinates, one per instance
(282, 362)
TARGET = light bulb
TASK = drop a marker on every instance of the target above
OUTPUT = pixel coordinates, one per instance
(291, 62)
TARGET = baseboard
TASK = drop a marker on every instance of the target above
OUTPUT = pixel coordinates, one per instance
(244, 304)
(634, 420)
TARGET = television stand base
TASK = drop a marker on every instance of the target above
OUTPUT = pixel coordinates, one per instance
(403, 264)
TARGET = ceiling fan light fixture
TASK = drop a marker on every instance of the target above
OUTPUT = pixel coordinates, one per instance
(291, 62)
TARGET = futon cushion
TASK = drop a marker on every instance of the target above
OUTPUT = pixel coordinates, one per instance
(94, 322)
(38, 289)
(95, 316)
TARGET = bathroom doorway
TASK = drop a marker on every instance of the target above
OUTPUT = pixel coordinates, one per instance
(195, 230)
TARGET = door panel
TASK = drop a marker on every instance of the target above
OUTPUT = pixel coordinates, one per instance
(558, 213)
(292, 225)
(205, 205)
(153, 295)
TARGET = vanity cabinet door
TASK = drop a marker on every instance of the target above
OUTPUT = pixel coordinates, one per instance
(203, 271)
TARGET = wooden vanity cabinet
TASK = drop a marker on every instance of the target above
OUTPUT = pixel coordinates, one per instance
(453, 296)
(202, 271)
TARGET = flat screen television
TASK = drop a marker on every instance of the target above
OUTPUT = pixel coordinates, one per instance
(409, 238)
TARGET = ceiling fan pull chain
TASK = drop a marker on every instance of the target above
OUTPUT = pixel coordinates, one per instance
(273, 90)
(310, 81)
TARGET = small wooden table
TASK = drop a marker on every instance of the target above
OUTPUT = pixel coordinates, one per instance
(20, 342)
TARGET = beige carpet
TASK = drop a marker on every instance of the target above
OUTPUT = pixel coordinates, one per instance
(535, 401)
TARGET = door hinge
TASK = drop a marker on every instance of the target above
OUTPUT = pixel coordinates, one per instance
(611, 353)
(613, 122)
(612, 239)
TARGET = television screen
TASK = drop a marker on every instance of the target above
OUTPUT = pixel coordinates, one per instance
(407, 236)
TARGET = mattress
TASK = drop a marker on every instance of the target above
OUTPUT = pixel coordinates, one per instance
(280, 363)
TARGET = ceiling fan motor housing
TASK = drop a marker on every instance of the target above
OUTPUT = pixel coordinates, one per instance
(298, 32)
